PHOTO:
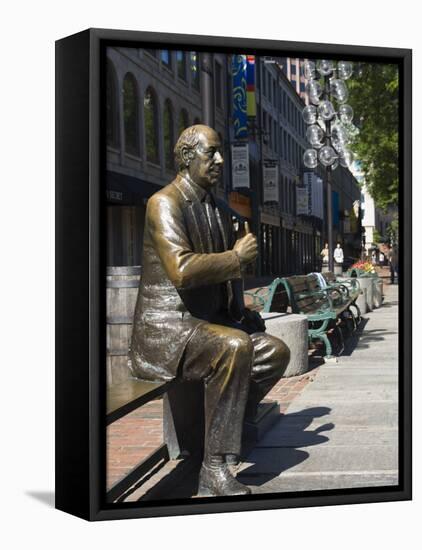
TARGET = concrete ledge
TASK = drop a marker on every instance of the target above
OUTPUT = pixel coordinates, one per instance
(293, 330)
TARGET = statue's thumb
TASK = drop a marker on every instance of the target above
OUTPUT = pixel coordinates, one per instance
(247, 229)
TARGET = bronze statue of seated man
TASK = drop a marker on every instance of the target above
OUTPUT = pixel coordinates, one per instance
(190, 318)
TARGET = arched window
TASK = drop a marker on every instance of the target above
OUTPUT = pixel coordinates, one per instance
(130, 114)
(166, 58)
(194, 69)
(168, 135)
(181, 64)
(183, 121)
(151, 125)
(112, 118)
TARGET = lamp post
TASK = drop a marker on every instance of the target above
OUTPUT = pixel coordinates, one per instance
(327, 130)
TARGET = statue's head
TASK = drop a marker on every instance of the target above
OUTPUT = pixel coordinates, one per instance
(198, 155)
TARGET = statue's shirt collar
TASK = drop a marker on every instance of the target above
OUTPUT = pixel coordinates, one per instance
(200, 193)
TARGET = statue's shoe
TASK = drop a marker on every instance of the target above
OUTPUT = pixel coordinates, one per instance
(218, 482)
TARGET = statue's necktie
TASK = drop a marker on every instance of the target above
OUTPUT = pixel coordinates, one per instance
(212, 221)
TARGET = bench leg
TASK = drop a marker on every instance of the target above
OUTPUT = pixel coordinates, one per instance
(328, 347)
(341, 339)
(358, 315)
(184, 419)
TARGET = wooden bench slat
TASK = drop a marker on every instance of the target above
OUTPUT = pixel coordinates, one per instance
(127, 396)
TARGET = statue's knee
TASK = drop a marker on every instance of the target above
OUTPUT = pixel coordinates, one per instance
(282, 354)
(241, 345)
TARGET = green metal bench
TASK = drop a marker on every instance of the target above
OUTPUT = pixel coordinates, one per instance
(325, 309)
(350, 287)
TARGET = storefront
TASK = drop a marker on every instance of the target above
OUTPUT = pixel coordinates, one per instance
(126, 205)
(270, 257)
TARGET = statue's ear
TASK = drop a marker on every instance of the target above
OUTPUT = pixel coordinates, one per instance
(187, 155)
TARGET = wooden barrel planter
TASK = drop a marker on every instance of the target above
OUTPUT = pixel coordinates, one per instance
(122, 291)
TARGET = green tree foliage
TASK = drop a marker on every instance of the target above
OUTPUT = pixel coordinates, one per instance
(374, 96)
(393, 230)
(376, 236)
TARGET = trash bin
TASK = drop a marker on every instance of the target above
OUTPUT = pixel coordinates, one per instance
(122, 291)
(377, 291)
(368, 284)
(361, 301)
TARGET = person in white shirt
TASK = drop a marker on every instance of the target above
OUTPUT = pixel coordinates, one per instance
(338, 254)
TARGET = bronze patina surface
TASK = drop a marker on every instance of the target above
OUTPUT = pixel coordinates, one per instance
(190, 319)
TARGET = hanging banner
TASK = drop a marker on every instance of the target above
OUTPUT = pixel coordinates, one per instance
(302, 201)
(317, 194)
(240, 117)
(240, 165)
(314, 187)
(271, 193)
(354, 221)
(250, 86)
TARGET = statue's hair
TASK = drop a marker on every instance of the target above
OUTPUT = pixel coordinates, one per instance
(189, 139)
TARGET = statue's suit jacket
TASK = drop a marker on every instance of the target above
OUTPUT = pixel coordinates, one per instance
(181, 279)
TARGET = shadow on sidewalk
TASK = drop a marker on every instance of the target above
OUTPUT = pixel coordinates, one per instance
(392, 303)
(288, 433)
(281, 448)
(362, 338)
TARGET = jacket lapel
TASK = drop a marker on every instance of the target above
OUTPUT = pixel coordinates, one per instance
(222, 228)
(199, 229)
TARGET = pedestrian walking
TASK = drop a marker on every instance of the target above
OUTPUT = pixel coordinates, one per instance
(338, 254)
(392, 257)
(374, 257)
(325, 254)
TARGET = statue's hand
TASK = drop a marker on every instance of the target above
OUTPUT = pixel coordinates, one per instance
(246, 247)
(253, 320)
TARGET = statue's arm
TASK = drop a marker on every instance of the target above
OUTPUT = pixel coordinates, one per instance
(185, 268)
(238, 310)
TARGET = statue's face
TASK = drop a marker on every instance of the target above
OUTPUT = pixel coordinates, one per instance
(206, 166)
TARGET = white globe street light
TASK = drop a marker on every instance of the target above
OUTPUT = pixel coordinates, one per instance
(328, 116)
(310, 114)
(310, 158)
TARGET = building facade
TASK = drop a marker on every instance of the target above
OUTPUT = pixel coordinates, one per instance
(152, 95)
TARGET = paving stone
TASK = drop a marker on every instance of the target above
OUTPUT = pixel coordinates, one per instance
(330, 458)
(320, 481)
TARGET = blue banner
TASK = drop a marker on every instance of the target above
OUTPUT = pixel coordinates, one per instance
(240, 117)
(250, 86)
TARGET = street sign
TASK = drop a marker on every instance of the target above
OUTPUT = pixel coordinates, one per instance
(240, 165)
(271, 193)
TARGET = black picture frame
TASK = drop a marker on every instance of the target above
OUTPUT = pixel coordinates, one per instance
(80, 281)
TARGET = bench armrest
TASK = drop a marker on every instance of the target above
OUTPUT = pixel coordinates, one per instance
(256, 298)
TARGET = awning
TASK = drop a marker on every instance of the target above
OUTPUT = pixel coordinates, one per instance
(122, 189)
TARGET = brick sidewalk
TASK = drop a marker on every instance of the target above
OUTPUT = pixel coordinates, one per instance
(134, 437)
